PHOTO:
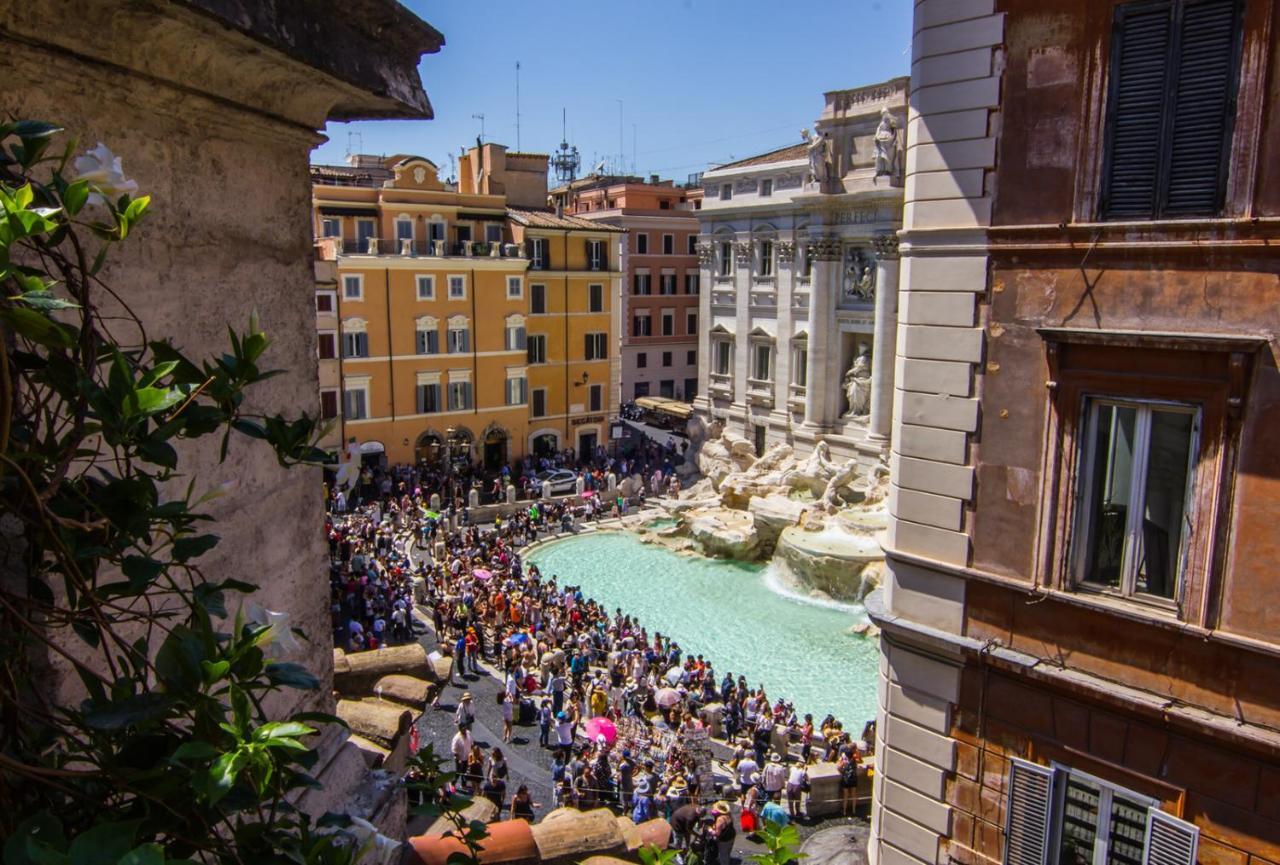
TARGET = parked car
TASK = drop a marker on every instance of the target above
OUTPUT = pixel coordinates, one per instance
(562, 481)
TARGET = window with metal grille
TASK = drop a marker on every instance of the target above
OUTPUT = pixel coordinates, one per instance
(1171, 107)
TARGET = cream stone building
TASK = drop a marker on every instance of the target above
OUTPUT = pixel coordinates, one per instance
(799, 274)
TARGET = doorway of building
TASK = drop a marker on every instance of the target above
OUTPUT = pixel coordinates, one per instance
(667, 388)
(545, 445)
(586, 446)
(495, 450)
(761, 435)
(642, 389)
(429, 449)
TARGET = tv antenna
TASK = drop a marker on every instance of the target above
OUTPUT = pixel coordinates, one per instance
(566, 161)
(480, 117)
(517, 106)
(351, 134)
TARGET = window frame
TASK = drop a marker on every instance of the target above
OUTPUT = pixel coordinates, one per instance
(691, 322)
(356, 386)
(642, 243)
(427, 279)
(595, 397)
(334, 347)
(449, 282)
(334, 394)
(595, 297)
(667, 323)
(359, 283)
(1211, 373)
(766, 187)
(537, 298)
(668, 244)
(332, 297)
(726, 191)
(536, 395)
(598, 340)
(518, 282)
(536, 355)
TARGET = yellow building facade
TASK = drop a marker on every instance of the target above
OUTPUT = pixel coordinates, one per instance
(434, 308)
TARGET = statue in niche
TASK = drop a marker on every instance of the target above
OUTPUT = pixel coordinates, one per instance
(886, 140)
(820, 158)
(857, 383)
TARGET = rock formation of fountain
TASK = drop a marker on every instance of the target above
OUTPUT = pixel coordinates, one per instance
(817, 519)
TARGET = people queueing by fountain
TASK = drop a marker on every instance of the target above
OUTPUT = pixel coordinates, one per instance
(582, 673)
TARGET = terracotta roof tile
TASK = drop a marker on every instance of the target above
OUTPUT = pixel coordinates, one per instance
(548, 219)
(782, 154)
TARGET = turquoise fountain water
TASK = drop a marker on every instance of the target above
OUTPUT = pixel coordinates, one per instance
(737, 615)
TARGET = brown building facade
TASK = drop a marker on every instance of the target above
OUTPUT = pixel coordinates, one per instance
(1080, 651)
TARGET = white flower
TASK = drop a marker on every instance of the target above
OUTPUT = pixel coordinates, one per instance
(278, 640)
(102, 170)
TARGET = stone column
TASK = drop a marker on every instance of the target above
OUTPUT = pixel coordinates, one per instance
(824, 358)
(880, 425)
(511, 494)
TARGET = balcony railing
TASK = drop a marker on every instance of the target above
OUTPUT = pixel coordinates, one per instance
(429, 248)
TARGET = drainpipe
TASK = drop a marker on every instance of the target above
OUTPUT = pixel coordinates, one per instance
(566, 336)
(475, 348)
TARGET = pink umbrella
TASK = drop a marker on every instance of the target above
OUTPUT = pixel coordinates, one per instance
(481, 574)
(666, 697)
(597, 727)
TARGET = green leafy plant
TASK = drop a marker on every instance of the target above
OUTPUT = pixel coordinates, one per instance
(432, 795)
(782, 845)
(167, 750)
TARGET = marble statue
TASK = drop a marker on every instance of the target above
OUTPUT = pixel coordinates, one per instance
(857, 383)
(820, 158)
(886, 140)
(832, 500)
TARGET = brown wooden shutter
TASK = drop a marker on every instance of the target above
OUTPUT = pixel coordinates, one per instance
(1203, 108)
(1139, 82)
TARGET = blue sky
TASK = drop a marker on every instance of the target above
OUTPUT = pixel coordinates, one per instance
(701, 81)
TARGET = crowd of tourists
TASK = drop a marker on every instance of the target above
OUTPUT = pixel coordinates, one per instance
(618, 704)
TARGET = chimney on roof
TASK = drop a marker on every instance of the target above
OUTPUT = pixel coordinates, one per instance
(653, 179)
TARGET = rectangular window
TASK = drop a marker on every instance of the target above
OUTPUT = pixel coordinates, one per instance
(1171, 107)
(693, 244)
(691, 323)
(457, 287)
(538, 405)
(692, 283)
(642, 244)
(666, 358)
(723, 352)
(538, 258)
(761, 356)
(766, 187)
(354, 404)
(1063, 815)
(328, 404)
(595, 255)
(515, 287)
(667, 388)
(806, 261)
(726, 191)
(517, 388)
(493, 233)
(800, 366)
(667, 284)
(766, 258)
(642, 360)
(724, 258)
(596, 346)
(668, 323)
(641, 389)
(404, 231)
(355, 344)
(691, 357)
(364, 235)
(428, 398)
(595, 397)
(459, 340)
(668, 244)
(463, 233)
(1133, 508)
(325, 301)
(327, 345)
(331, 226)
(459, 395)
(640, 283)
(537, 299)
(641, 326)
(595, 298)
(428, 341)
(690, 389)
(515, 338)
(353, 286)
(536, 348)
(426, 287)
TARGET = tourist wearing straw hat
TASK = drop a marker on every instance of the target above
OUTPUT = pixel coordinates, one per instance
(723, 832)
(465, 715)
